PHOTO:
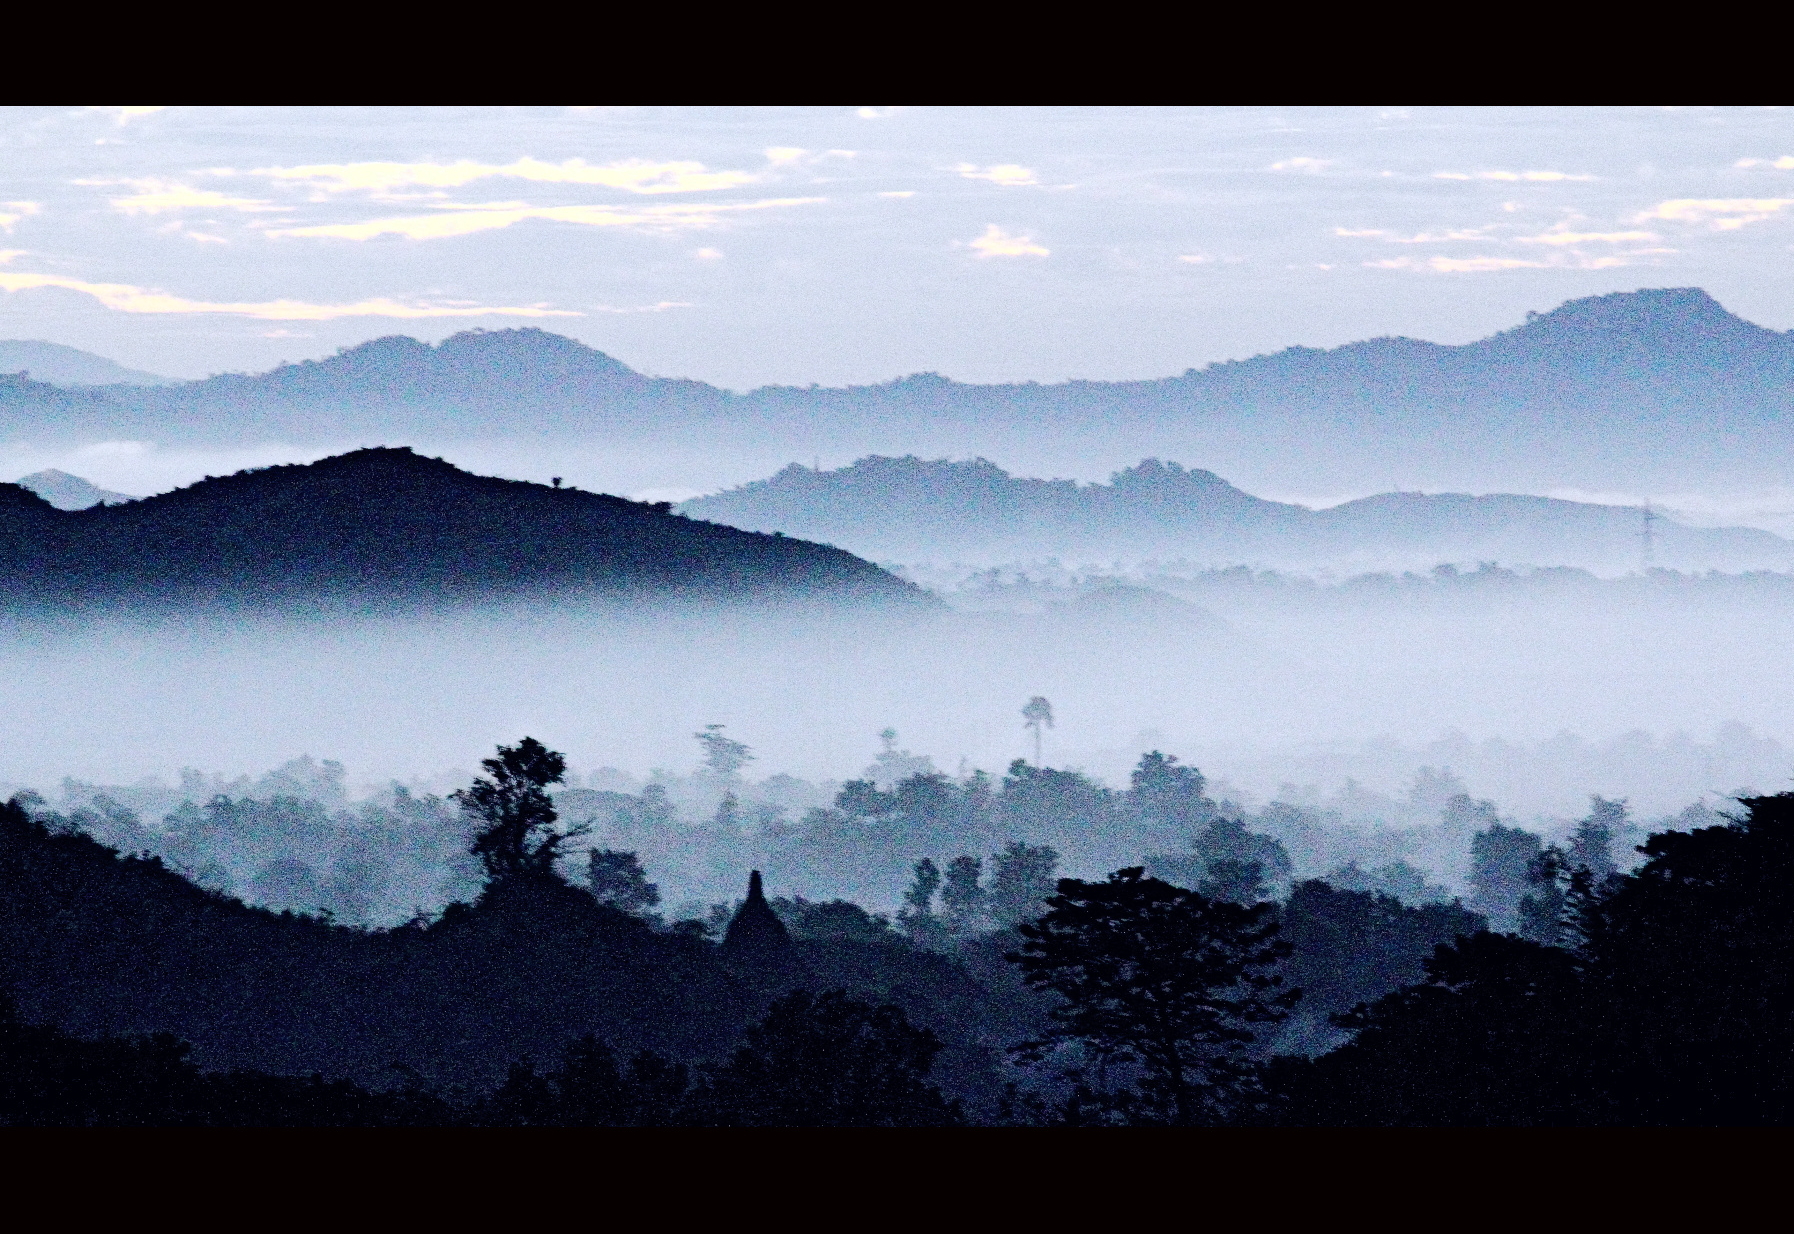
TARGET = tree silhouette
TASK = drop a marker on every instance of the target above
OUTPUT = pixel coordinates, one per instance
(828, 1060)
(962, 898)
(1021, 879)
(517, 837)
(1036, 717)
(617, 879)
(1163, 979)
(724, 757)
(917, 917)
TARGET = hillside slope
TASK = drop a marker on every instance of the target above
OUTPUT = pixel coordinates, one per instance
(386, 528)
(910, 509)
(1638, 390)
(68, 366)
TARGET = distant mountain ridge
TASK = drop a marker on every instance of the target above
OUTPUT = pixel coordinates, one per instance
(60, 365)
(386, 530)
(67, 492)
(914, 510)
(1630, 390)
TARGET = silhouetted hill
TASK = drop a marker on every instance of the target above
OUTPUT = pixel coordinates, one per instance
(911, 509)
(97, 943)
(67, 492)
(1642, 390)
(68, 366)
(386, 528)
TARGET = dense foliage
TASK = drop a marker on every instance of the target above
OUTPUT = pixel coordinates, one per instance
(998, 993)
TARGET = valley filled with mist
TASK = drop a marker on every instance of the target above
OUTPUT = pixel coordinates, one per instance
(913, 674)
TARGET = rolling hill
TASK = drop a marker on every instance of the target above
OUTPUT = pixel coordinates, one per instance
(385, 529)
(68, 366)
(914, 510)
(1637, 391)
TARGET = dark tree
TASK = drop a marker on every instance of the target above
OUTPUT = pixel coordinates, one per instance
(1497, 1035)
(1501, 872)
(591, 1088)
(1238, 882)
(1591, 848)
(1170, 798)
(517, 837)
(917, 917)
(827, 1060)
(1543, 913)
(1162, 979)
(962, 898)
(1020, 882)
(1224, 839)
(617, 879)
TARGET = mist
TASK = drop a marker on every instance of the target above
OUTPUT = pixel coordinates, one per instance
(1346, 700)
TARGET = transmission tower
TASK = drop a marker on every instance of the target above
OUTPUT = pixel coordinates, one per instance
(1647, 537)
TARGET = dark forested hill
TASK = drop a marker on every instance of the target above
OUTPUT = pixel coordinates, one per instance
(387, 528)
(1632, 390)
(911, 509)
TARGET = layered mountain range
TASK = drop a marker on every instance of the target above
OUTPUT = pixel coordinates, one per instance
(914, 510)
(387, 530)
(1633, 390)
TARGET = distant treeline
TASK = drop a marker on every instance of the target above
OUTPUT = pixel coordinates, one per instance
(1203, 988)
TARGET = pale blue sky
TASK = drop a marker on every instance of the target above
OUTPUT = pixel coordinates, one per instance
(852, 245)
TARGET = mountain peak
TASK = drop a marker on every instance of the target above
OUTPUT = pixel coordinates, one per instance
(67, 492)
(1662, 316)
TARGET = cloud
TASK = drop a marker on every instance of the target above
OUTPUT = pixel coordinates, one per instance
(899, 193)
(15, 212)
(1568, 238)
(462, 220)
(1537, 176)
(878, 113)
(125, 298)
(1195, 259)
(660, 306)
(122, 116)
(1424, 237)
(632, 175)
(1722, 213)
(995, 242)
(708, 254)
(162, 196)
(1784, 163)
(1481, 265)
(1491, 265)
(7, 255)
(1007, 175)
(1303, 163)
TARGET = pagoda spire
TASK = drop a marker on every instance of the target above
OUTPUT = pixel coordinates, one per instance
(756, 931)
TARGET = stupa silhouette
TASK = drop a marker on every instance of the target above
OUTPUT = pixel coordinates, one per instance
(755, 932)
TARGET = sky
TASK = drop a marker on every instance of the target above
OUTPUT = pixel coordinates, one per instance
(847, 245)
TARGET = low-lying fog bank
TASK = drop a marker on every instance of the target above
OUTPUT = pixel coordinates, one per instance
(1352, 705)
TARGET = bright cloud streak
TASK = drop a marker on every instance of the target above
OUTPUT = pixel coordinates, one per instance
(1784, 163)
(1568, 238)
(122, 116)
(458, 220)
(162, 196)
(995, 242)
(632, 175)
(1537, 176)
(125, 298)
(16, 212)
(1303, 163)
(1006, 175)
(1723, 213)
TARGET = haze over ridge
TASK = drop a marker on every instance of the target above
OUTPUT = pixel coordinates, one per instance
(1581, 400)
